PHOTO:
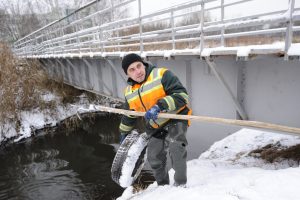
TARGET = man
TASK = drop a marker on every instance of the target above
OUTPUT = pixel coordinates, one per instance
(154, 90)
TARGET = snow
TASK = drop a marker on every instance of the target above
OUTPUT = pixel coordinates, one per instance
(226, 171)
(9, 130)
(294, 50)
(133, 154)
(243, 51)
(29, 120)
(48, 97)
(35, 119)
(262, 20)
(239, 51)
(149, 36)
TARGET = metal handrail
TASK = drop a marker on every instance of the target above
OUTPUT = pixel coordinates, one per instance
(60, 37)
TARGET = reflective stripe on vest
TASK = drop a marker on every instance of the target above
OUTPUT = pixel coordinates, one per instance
(149, 92)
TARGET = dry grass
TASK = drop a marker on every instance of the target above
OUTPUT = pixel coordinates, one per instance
(73, 123)
(143, 181)
(276, 152)
(68, 94)
(20, 83)
(138, 188)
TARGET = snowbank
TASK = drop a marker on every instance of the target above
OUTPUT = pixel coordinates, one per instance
(226, 171)
(36, 119)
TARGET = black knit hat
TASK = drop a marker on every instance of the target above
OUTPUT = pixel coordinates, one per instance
(129, 59)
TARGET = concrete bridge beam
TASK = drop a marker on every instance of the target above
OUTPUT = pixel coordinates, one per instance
(224, 84)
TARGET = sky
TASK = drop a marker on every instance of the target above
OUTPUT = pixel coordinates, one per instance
(226, 172)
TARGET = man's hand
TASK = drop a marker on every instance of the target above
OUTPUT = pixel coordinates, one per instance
(122, 137)
(152, 113)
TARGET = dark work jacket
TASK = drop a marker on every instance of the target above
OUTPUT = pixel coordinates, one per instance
(172, 87)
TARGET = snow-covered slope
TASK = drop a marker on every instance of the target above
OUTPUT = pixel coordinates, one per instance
(226, 171)
(36, 119)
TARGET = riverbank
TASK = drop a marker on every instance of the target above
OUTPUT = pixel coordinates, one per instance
(30, 100)
(31, 121)
(248, 164)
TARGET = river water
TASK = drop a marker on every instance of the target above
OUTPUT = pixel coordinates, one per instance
(62, 165)
(75, 163)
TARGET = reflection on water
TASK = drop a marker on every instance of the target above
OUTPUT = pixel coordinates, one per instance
(61, 166)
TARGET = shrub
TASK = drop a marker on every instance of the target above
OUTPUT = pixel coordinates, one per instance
(21, 84)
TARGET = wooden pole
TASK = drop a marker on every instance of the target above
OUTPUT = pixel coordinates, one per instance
(243, 123)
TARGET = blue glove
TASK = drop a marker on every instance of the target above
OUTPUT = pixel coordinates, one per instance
(152, 113)
(122, 137)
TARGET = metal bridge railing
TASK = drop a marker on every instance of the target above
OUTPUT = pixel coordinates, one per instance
(97, 30)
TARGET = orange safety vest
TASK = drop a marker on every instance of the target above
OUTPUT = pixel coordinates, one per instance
(141, 97)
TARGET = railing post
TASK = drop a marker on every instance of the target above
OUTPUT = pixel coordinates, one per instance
(77, 29)
(35, 44)
(32, 45)
(51, 39)
(42, 42)
(222, 19)
(201, 27)
(113, 19)
(26, 50)
(48, 44)
(141, 28)
(101, 40)
(62, 34)
(289, 31)
(112, 10)
(173, 31)
(28, 47)
(100, 33)
(98, 5)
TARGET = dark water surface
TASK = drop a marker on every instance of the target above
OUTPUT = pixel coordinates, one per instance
(61, 166)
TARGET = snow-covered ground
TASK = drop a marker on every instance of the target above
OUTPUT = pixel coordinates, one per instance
(36, 119)
(227, 172)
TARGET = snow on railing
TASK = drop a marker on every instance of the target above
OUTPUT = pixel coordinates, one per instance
(92, 30)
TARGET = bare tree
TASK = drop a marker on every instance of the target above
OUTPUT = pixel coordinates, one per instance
(21, 17)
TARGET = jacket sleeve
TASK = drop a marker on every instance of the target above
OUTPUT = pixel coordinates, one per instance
(177, 96)
(127, 121)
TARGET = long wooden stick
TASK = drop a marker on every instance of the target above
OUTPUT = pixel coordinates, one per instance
(251, 124)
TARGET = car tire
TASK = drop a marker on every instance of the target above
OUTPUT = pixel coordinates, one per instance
(129, 159)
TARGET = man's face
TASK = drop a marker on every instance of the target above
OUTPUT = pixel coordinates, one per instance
(136, 71)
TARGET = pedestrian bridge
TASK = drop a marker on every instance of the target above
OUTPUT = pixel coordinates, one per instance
(240, 68)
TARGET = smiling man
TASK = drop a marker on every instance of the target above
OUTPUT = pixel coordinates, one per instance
(154, 90)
